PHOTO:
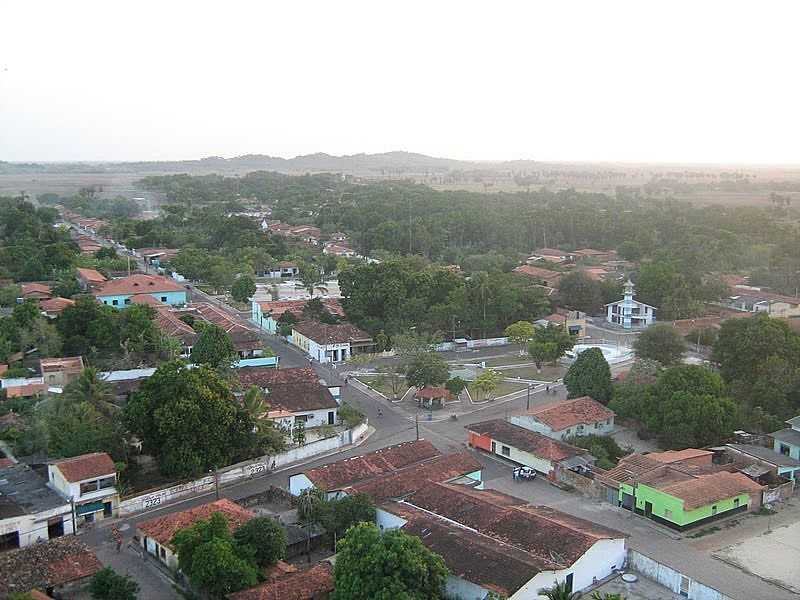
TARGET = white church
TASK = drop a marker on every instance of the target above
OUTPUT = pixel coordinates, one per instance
(629, 313)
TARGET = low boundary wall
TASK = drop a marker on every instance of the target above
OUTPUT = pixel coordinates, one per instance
(250, 469)
(671, 578)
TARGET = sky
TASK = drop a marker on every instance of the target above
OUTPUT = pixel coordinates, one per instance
(639, 81)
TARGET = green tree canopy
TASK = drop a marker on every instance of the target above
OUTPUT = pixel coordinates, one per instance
(243, 288)
(107, 584)
(660, 342)
(188, 419)
(427, 369)
(589, 375)
(213, 348)
(520, 333)
(264, 539)
(388, 566)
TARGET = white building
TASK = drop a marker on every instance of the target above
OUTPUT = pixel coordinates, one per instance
(493, 542)
(330, 342)
(30, 511)
(629, 313)
(566, 418)
(89, 481)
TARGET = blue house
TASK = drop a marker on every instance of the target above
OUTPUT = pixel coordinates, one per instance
(120, 292)
(787, 441)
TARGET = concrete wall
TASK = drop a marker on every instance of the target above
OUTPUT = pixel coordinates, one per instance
(794, 451)
(531, 423)
(671, 578)
(32, 528)
(245, 470)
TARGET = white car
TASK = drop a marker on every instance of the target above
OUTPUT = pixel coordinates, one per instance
(526, 473)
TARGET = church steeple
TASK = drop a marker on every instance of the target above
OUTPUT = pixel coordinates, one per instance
(627, 290)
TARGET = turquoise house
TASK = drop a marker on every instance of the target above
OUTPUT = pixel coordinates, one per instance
(787, 441)
(122, 292)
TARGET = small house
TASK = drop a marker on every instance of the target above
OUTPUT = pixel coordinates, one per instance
(540, 275)
(58, 372)
(89, 481)
(283, 270)
(89, 279)
(566, 418)
(328, 343)
(787, 441)
(433, 397)
(119, 292)
(53, 307)
(36, 291)
(629, 313)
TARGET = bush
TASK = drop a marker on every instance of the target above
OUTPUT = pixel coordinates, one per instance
(350, 416)
(108, 585)
(263, 538)
(603, 447)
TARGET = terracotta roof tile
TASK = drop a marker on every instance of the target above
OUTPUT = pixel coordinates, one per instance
(55, 305)
(432, 393)
(68, 364)
(163, 529)
(26, 391)
(311, 584)
(35, 289)
(408, 480)
(138, 284)
(86, 466)
(146, 299)
(707, 489)
(54, 563)
(672, 456)
(322, 333)
(568, 413)
(90, 275)
(347, 472)
(526, 440)
(546, 275)
(296, 390)
(277, 307)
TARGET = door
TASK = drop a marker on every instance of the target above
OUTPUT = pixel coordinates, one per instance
(494, 448)
(55, 527)
(568, 583)
(648, 509)
(107, 509)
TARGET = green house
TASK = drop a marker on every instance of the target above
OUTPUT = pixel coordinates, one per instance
(679, 488)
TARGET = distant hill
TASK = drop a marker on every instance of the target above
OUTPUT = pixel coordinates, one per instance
(386, 163)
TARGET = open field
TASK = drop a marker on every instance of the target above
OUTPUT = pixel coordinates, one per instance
(502, 389)
(382, 385)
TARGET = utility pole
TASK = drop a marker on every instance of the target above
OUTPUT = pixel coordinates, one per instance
(416, 423)
(216, 481)
(528, 402)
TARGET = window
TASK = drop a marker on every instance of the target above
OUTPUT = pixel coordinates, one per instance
(87, 487)
(580, 428)
(330, 417)
(735, 503)
(162, 552)
(127, 300)
(784, 449)
(667, 513)
(107, 482)
(105, 301)
(163, 298)
(714, 509)
(506, 451)
(115, 302)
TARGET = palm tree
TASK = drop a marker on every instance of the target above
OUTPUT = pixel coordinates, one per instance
(560, 591)
(90, 388)
(255, 404)
(307, 502)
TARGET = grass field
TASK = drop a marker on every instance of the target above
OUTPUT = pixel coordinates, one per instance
(502, 389)
(382, 385)
(549, 373)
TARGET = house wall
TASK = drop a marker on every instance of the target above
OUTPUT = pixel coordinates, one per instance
(794, 451)
(162, 553)
(172, 298)
(671, 578)
(533, 424)
(521, 457)
(676, 514)
(602, 559)
(33, 527)
(299, 483)
(784, 310)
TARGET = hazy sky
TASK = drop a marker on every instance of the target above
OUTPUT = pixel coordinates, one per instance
(643, 80)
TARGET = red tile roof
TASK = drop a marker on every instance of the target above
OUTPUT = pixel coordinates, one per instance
(312, 584)
(347, 472)
(86, 466)
(493, 539)
(431, 393)
(163, 529)
(322, 333)
(672, 456)
(277, 307)
(138, 284)
(90, 276)
(408, 480)
(546, 275)
(528, 441)
(294, 390)
(26, 391)
(707, 489)
(54, 563)
(35, 290)
(568, 413)
(146, 299)
(55, 305)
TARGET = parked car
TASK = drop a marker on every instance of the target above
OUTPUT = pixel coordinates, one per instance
(525, 473)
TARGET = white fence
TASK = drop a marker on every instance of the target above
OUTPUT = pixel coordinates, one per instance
(246, 470)
(672, 579)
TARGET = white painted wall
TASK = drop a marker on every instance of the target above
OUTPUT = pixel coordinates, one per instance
(670, 578)
(524, 458)
(386, 520)
(299, 483)
(599, 561)
(532, 424)
(461, 589)
(33, 527)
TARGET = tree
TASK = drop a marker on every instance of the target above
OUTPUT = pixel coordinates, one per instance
(285, 322)
(93, 390)
(299, 432)
(692, 420)
(560, 591)
(487, 382)
(427, 369)
(455, 385)
(88, 327)
(213, 347)
(549, 344)
(520, 333)
(76, 427)
(660, 342)
(264, 539)
(107, 584)
(589, 375)
(243, 288)
(217, 569)
(25, 314)
(311, 278)
(389, 566)
(337, 515)
(188, 419)
(580, 292)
